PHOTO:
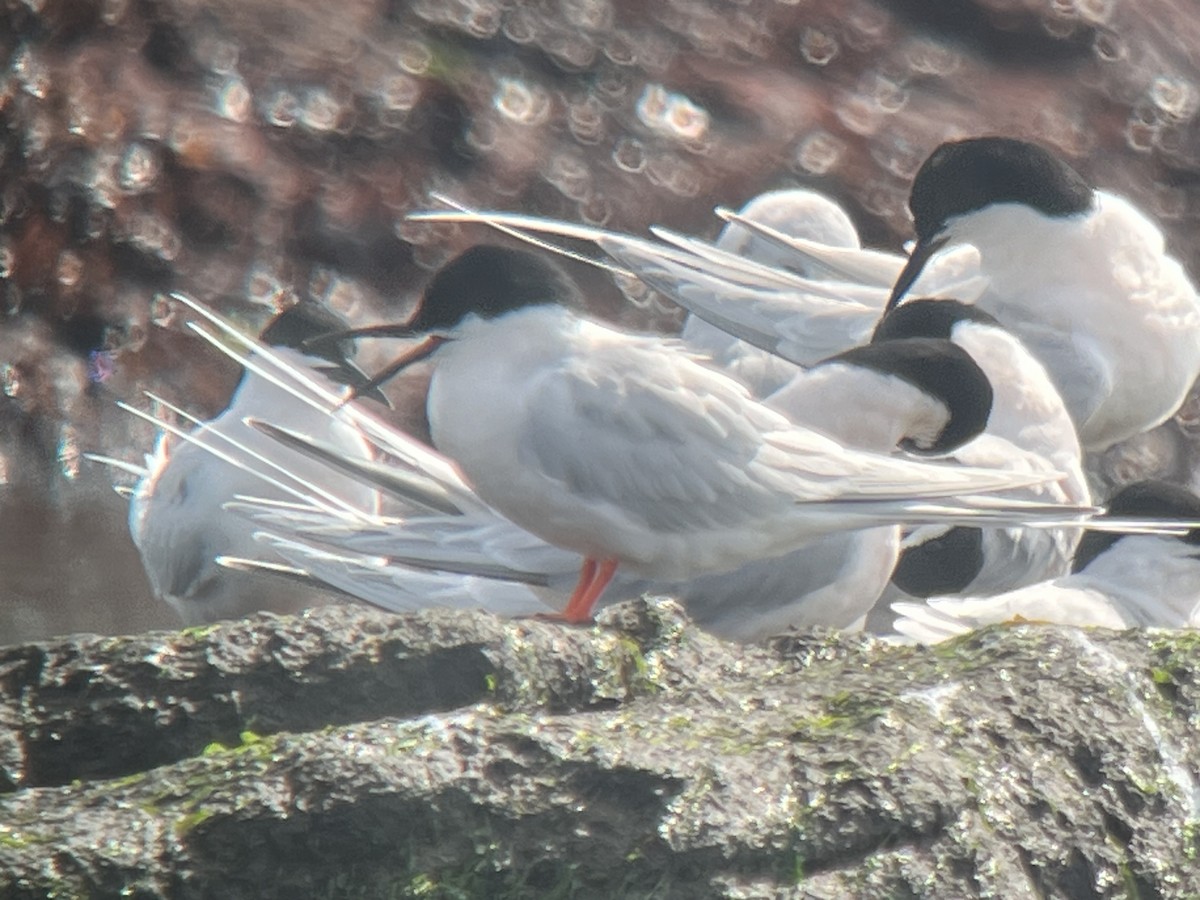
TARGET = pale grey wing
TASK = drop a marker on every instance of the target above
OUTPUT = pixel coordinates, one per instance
(470, 545)
(397, 588)
(830, 582)
(482, 544)
(800, 321)
(953, 273)
(762, 372)
(818, 470)
(1076, 365)
(1018, 557)
(495, 550)
(712, 260)
(706, 257)
(672, 451)
(409, 487)
(851, 264)
(689, 451)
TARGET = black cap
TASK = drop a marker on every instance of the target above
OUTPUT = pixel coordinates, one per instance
(300, 325)
(304, 321)
(965, 176)
(946, 564)
(928, 318)
(490, 280)
(941, 370)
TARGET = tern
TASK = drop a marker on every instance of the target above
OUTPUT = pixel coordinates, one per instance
(1080, 275)
(176, 514)
(631, 452)
(1117, 581)
(1028, 421)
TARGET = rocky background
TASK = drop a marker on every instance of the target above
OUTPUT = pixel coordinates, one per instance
(250, 153)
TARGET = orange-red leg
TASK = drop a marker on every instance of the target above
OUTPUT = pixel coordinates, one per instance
(594, 577)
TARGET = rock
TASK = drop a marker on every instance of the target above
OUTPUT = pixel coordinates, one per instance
(457, 755)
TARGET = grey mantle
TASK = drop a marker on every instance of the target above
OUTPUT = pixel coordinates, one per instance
(447, 754)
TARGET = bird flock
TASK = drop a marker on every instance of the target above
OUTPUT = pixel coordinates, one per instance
(839, 436)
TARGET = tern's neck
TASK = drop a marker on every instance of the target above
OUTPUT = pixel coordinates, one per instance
(1022, 249)
(860, 408)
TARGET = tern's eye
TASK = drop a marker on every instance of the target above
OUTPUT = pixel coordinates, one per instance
(917, 444)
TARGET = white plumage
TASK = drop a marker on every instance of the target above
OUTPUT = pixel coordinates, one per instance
(1142, 581)
(177, 517)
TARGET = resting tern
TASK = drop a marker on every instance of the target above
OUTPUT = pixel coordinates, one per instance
(1080, 275)
(1117, 581)
(633, 453)
(1028, 421)
(922, 394)
(927, 392)
(176, 514)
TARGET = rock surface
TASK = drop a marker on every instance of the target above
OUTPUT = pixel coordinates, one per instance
(350, 754)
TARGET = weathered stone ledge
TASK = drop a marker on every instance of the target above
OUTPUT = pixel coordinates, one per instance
(344, 753)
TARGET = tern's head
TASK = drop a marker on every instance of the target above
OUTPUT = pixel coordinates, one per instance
(1141, 500)
(484, 282)
(488, 281)
(304, 321)
(928, 318)
(942, 371)
(963, 177)
(296, 328)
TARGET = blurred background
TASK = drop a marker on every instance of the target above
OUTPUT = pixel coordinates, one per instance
(251, 153)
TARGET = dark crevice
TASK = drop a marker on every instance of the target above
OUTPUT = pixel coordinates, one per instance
(1088, 764)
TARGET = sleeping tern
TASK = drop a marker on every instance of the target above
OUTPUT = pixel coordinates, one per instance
(1117, 581)
(1028, 421)
(176, 514)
